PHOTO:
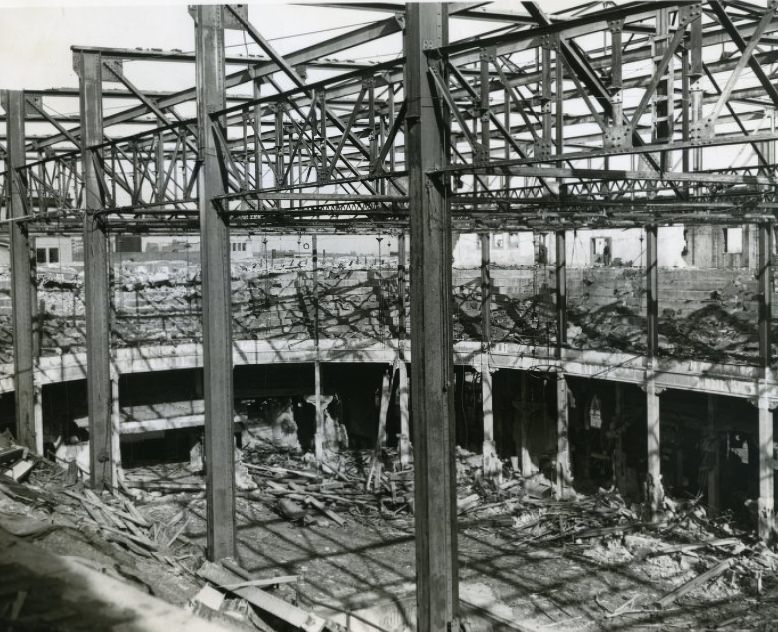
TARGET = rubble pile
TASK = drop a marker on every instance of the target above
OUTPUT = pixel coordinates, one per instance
(160, 302)
(685, 552)
(62, 501)
(528, 318)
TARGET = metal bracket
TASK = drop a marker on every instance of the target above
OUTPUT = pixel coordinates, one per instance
(687, 13)
(117, 66)
(29, 110)
(481, 154)
(550, 41)
(617, 137)
(543, 149)
(701, 131)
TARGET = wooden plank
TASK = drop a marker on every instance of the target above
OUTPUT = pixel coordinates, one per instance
(276, 606)
(698, 581)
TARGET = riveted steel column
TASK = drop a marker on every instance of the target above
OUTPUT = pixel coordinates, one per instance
(215, 262)
(432, 368)
(765, 279)
(654, 488)
(561, 292)
(319, 436)
(96, 301)
(652, 288)
(21, 273)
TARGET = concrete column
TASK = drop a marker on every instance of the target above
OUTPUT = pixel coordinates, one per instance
(491, 463)
(383, 408)
(654, 489)
(618, 418)
(766, 502)
(21, 273)
(713, 473)
(526, 460)
(116, 425)
(564, 475)
(215, 266)
(426, 143)
(96, 288)
(38, 414)
(405, 432)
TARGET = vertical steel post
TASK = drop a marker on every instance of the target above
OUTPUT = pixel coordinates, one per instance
(652, 288)
(485, 85)
(427, 138)
(96, 299)
(215, 265)
(765, 280)
(486, 293)
(319, 436)
(654, 491)
(401, 329)
(21, 273)
(561, 292)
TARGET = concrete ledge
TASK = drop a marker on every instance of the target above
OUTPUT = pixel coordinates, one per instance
(722, 379)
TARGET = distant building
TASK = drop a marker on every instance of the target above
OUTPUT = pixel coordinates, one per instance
(679, 247)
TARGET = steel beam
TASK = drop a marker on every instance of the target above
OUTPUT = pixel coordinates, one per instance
(427, 136)
(96, 290)
(215, 262)
(732, 30)
(21, 275)
(341, 42)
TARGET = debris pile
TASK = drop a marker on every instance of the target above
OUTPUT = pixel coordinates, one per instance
(685, 554)
(62, 501)
(16, 462)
